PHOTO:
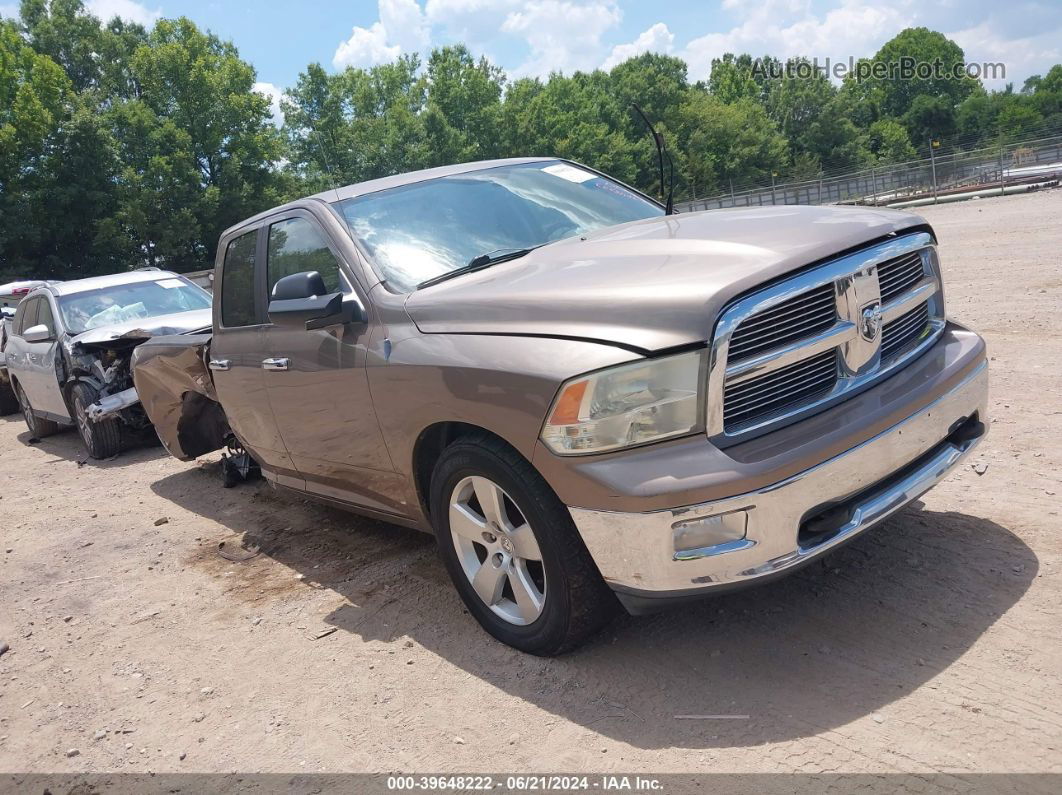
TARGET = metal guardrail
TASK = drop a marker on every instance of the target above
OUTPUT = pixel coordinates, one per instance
(937, 175)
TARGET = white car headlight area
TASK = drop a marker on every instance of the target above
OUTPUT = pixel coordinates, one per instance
(632, 404)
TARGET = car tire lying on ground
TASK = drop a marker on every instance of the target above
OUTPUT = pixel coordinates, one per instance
(38, 426)
(512, 550)
(8, 400)
(102, 438)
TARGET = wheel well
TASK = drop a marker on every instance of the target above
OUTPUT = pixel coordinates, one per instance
(429, 447)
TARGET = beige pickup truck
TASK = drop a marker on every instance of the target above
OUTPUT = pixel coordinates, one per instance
(590, 402)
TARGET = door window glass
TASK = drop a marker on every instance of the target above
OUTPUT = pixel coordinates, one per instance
(44, 315)
(26, 315)
(297, 245)
(237, 281)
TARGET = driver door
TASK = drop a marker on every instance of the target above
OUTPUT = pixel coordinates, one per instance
(317, 383)
(237, 348)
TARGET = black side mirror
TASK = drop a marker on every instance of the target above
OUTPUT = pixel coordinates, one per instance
(301, 299)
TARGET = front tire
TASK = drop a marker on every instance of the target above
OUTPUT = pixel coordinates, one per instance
(512, 550)
(102, 438)
(38, 426)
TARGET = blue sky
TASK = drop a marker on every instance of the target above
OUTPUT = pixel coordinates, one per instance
(533, 37)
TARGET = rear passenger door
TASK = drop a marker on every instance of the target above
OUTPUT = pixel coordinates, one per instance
(318, 386)
(238, 346)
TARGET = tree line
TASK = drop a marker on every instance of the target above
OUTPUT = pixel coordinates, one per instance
(122, 147)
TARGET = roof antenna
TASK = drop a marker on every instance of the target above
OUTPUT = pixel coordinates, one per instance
(661, 150)
(327, 165)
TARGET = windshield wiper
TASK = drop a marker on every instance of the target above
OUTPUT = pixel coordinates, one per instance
(478, 263)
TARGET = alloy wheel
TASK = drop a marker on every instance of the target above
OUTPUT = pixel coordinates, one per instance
(497, 550)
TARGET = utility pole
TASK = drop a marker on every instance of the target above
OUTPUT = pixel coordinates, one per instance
(933, 166)
(774, 198)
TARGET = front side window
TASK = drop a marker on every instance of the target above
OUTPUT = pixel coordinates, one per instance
(419, 231)
(44, 315)
(297, 245)
(237, 281)
(121, 303)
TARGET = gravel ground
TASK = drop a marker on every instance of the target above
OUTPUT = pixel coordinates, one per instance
(928, 645)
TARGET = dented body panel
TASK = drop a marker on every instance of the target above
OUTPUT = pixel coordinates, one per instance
(177, 392)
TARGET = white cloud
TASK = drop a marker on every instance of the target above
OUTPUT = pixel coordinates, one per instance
(9, 11)
(474, 22)
(1021, 56)
(402, 27)
(656, 39)
(128, 10)
(274, 94)
(786, 28)
(563, 35)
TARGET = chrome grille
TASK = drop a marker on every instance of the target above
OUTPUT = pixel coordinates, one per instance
(797, 318)
(899, 275)
(805, 343)
(899, 333)
(763, 396)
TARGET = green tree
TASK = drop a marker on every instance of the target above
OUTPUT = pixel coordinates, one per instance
(891, 93)
(201, 85)
(889, 142)
(736, 77)
(722, 142)
(467, 93)
(930, 118)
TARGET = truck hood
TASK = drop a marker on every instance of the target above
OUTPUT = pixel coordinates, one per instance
(132, 332)
(647, 285)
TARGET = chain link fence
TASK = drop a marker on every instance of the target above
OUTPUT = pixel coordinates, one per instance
(1003, 168)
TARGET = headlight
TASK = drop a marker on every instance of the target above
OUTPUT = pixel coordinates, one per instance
(627, 405)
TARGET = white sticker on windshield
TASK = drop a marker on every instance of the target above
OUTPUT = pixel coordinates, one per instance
(170, 283)
(570, 173)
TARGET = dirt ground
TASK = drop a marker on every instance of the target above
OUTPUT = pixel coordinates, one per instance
(929, 645)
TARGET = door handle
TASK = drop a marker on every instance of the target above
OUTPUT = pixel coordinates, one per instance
(275, 364)
(220, 364)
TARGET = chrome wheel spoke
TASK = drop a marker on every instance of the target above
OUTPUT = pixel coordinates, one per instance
(528, 599)
(525, 544)
(489, 581)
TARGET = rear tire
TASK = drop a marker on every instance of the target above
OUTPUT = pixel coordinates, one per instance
(102, 438)
(38, 426)
(8, 400)
(545, 596)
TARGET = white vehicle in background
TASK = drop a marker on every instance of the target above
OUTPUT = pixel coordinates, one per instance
(68, 349)
(10, 295)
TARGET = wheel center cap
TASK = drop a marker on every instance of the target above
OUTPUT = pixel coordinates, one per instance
(507, 545)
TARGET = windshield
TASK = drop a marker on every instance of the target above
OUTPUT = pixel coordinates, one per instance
(420, 231)
(110, 306)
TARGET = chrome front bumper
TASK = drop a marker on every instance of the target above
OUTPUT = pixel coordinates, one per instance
(837, 500)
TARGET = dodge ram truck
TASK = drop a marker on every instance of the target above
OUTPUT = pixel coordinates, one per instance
(590, 401)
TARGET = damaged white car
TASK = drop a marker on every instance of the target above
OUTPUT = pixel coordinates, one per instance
(69, 347)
